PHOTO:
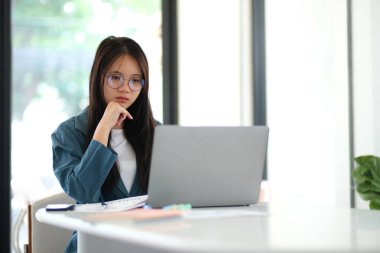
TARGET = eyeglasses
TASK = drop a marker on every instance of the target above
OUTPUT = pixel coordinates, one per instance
(115, 81)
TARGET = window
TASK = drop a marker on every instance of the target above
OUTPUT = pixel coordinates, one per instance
(366, 79)
(214, 62)
(307, 102)
(54, 44)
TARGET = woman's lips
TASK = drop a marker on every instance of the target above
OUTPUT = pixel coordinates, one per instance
(121, 99)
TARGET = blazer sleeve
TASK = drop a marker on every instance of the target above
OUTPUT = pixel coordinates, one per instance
(81, 172)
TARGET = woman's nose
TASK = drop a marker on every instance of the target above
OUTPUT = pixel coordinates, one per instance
(125, 87)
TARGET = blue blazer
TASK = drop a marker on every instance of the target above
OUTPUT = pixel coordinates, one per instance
(80, 171)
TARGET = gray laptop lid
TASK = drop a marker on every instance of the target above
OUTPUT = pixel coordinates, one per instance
(207, 166)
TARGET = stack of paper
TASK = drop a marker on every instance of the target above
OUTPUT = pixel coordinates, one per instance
(114, 206)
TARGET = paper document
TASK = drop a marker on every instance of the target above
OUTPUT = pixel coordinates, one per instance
(114, 205)
(136, 215)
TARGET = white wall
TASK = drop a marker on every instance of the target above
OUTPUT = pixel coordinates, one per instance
(366, 58)
(307, 102)
(214, 55)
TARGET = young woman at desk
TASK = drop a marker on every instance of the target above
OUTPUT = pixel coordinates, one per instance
(104, 153)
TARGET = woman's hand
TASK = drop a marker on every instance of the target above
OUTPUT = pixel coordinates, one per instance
(113, 117)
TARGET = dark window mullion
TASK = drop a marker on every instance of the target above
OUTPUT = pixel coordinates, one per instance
(169, 61)
(259, 65)
(5, 118)
(350, 99)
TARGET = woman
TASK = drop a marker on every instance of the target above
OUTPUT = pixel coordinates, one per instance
(104, 153)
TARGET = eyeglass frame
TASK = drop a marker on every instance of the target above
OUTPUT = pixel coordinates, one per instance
(123, 79)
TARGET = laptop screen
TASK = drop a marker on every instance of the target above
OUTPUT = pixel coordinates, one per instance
(207, 166)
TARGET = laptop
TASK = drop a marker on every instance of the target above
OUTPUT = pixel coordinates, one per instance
(207, 166)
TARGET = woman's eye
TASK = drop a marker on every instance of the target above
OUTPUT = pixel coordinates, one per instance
(115, 77)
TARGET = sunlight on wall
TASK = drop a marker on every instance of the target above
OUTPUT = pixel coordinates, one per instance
(307, 90)
(212, 78)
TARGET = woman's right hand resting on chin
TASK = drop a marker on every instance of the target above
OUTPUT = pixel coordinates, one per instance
(113, 117)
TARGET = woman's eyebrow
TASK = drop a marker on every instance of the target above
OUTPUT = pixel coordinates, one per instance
(136, 75)
(120, 73)
(115, 72)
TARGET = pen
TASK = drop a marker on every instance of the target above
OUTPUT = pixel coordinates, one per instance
(105, 205)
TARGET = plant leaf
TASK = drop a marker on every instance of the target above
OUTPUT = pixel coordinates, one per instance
(367, 179)
(374, 205)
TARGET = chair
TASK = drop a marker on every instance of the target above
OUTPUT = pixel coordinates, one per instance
(43, 238)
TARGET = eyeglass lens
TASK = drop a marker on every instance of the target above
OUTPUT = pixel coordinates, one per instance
(116, 81)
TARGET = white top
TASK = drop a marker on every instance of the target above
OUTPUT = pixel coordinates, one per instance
(126, 157)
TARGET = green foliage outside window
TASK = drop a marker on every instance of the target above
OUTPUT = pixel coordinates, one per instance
(54, 42)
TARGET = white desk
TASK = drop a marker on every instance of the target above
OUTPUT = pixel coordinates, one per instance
(268, 229)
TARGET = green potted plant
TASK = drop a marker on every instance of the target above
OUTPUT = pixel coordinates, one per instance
(366, 176)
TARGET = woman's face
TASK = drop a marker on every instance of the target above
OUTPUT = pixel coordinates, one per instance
(127, 67)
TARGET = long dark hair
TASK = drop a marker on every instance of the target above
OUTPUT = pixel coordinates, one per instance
(139, 131)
